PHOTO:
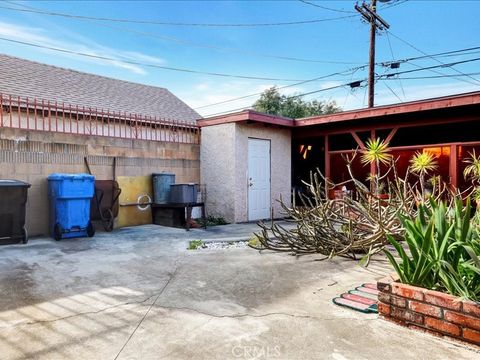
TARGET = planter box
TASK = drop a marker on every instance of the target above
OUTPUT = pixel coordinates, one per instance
(427, 310)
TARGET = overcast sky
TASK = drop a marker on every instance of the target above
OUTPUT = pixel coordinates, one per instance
(314, 49)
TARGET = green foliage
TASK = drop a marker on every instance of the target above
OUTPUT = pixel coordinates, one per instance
(422, 163)
(195, 244)
(272, 102)
(444, 250)
(472, 170)
(376, 151)
(212, 221)
(254, 242)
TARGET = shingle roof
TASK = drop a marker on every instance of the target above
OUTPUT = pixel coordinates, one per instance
(35, 80)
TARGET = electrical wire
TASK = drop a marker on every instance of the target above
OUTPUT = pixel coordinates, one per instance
(432, 76)
(393, 57)
(166, 23)
(203, 45)
(327, 8)
(396, 3)
(282, 87)
(393, 92)
(145, 64)
(424, 53)
(447, 53)
(287, 97)
(430, 67)
(378, 77)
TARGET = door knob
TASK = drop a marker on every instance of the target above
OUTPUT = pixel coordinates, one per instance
(250, 184)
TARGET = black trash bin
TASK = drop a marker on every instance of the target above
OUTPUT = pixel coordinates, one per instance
(13, 198)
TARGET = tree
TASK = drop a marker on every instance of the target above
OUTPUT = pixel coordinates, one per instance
(272, 102)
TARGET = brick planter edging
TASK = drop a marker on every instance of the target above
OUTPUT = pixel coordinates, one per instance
(428, 310)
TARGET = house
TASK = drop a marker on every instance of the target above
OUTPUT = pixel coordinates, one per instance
(251, 177)
(53, 119)
(37, 81)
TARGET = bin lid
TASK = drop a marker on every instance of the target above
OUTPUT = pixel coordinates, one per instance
(184, 184)
(163, 173)
(8, 182)
(58, 176)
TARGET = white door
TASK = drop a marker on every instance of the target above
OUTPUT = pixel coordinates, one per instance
(258, 179)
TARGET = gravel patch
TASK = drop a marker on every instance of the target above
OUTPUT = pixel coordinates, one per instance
(218, 245)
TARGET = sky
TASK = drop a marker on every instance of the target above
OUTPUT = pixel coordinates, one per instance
(284, 54)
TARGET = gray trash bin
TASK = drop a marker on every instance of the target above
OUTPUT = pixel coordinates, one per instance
(161, 186)
(183, 193)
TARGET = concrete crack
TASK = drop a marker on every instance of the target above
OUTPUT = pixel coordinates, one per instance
(149, 308)
(233, 316)
(80, 314)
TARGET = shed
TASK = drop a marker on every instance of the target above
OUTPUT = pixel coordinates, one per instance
(246, 164)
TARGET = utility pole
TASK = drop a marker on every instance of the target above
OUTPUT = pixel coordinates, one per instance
(369, 13)
(371, 58)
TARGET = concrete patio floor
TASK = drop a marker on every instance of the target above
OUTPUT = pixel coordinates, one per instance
(137, 293)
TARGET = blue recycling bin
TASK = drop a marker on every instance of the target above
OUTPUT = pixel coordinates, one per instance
(70, 196)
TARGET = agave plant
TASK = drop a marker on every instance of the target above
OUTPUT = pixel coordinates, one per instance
(376, 152)
(472, 170)
(444, 250)
(421, 164)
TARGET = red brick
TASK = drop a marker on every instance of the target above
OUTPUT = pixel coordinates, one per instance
(408, 316)
(461, 319)
(384, 297)
(443, 300)
(396, 321)
(472, 335)
(472, 308)
(384, 283)
(398, 301)
(383, 309)
(442, 326)
(424, 330)
(426, 309)
(408, 291)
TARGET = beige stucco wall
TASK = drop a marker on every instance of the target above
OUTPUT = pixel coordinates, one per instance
(224, 167)
(33, 155)
(217, 169)
(280, 166)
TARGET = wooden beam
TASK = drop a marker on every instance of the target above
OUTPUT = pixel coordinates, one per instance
(312, 131)
(358, 140)
(327, 158)
(391, 135)
(453, 168)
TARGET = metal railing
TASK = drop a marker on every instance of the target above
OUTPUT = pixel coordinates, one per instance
(44, 115)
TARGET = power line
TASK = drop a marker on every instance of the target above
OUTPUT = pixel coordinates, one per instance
(436, 55)
(424, 53)
(396, 3)
(165, 23)
(326, 8)
(378, 77)
(431, 76)
(393, 92)
(338, 73)
(144, 64)
(393, 57)
(429, 67)
(289, 97)
(203, 45)
(282, 87)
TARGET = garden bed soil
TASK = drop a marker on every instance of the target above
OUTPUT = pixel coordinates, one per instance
(431, 311)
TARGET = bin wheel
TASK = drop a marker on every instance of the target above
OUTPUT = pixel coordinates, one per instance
(57, 232)
(90, 229)
(107, 219)
(24, 235)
